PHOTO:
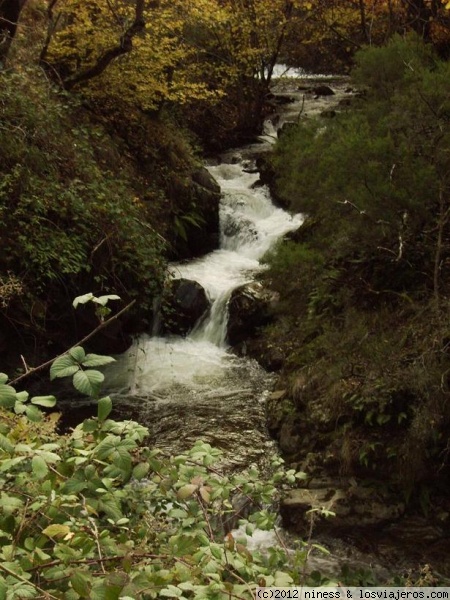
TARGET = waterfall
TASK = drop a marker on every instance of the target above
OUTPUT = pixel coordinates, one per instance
(193, 387)
(183, 389)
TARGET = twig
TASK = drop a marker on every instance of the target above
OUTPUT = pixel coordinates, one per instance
(48, 363)
(24, 362)
(301, 109)
(205, 514)
(23, 580)
(94, 531)
(347, 202)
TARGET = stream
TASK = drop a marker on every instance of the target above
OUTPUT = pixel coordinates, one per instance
(186, 388)
(189, 388)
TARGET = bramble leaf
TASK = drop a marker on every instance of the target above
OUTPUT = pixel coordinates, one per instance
(64, 366)
(88, 382)
(47, 401)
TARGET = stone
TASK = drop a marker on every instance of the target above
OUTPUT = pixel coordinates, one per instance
(204, 178)
(353, 507)
(185, 302)
(323, 90)
(249, 307)
(328, 114)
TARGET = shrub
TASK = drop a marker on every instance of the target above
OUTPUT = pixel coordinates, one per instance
(97, 514)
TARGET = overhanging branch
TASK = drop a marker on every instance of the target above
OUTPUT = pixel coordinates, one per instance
(124, 46)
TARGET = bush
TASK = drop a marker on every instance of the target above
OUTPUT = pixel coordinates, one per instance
(96, 514)
(364, 293)
(71, 214)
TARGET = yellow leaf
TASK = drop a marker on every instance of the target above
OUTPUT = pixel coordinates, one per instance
(56, 530)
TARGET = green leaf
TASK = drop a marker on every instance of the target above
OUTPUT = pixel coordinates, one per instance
(74, 486)
(140, 471)
(9, 503)
(33, 413)
(216, 551)
(186, 491)
(88, 382)
(97, 360)
(104, 407)
(80, 583)
(103, 300)
(90, 425)
(122, 460)
(3, 378)
(5, 444)
(171, 592)
(283, 579)
(7, 396)
(64, 366)
(56, 530)
(110, 506)
(22, 396)
(107, 446)
(39, 466)
(47, 401)
(82, 299)
(77, 354)
(7, 464)
(49, 457)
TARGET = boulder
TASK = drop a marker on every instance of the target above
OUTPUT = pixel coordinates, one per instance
(250, 307)
(328, 114)
(206, 196)
(286, 127)
(198, 201)
(353, 507)
(323, 90)
(204, 178)
(267, 176)
(185, 302)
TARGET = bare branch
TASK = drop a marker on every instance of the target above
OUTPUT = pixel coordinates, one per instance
(124, 46)
(48, 363)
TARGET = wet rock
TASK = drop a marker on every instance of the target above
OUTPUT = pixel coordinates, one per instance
(353, 507)
(267, 177)
(345, 102)
(113, 339)
(328, 114)
(250, 307)
(289, 441)
(204, 178)
(233, 228)
(266, 170)
(282, 99)
(269, 357)
(323, 90)
(205, 193)
(185, 302)
(286, 127)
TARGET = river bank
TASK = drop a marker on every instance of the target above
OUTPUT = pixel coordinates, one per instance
(351, 471)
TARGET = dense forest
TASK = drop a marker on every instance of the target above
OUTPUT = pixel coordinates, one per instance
(107, 111)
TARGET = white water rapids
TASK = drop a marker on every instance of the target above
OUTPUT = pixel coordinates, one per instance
(188, 388)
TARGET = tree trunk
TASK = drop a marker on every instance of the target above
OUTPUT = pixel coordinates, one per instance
(419, 17)
(362, 15)
(124, 45)
(9, 18)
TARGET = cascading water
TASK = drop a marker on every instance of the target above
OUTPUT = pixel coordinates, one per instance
(188, 388)
(185, 389)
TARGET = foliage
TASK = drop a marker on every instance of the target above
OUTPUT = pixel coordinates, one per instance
(363, 284)
(96, 514)
(72, 215)
(209, 61)
(334, 30)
